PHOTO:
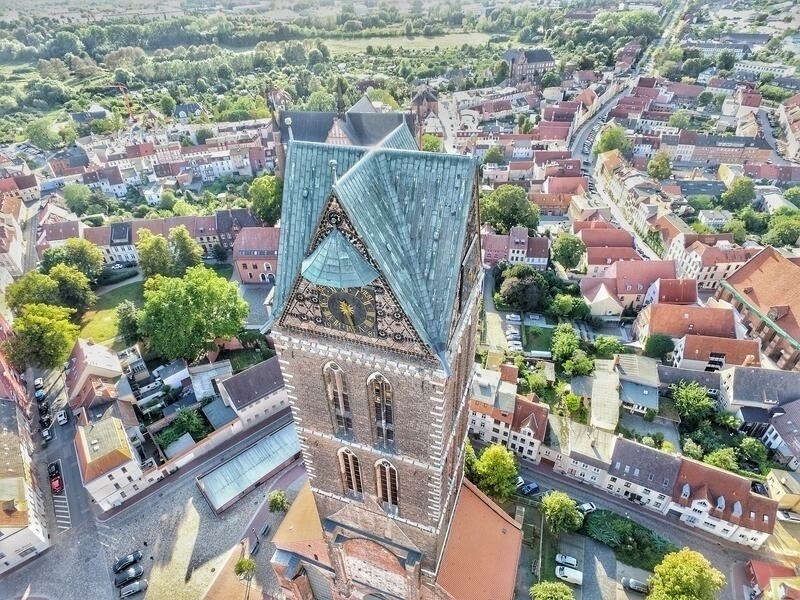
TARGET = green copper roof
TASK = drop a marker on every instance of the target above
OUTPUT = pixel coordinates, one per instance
(336, 263)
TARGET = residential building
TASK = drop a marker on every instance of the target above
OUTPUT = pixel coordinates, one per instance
(789, 116)
(711, 353)
(676, 321)
(389, 513)
(782, 436)
(256, 393)
(94, 376)
(693, 147)
(515, 247)
(671, 291)
(708, 258)
(772, 582)
(579, 451)
(184, 112)
(755, 67)
(638, 382)
(529, 64)
(715, 218)
(626, 282)
(642, 474)
(784, 486)
(712, 49)
(754, 387)
(23, 518)
(109, 466)
(720, 502)
(766, 293)
(255, 254)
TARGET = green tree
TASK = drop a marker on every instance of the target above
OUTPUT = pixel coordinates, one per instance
(186, 252)
(724, 458)
(203, 134)
(155, 257)
(493, 156)
(737, 228)
(508, 206)
(265, 196)
(77, 197)
(245, 568)
(551, 79)
(470, 463)
(726, 60)
(753, 450)
(191, 422)
(431, 143)
(564, 343)
(278, 501)
(658, 345)
(41, 135)
(578, 364)
(692, 449)
(606, 346)
(167, 104)
(497, 472)
(613, 138)
(182, 317)
(741, 193)
(784, 230)
(321, 101)
(705, 98)
(167, 201)
(523, 293)
(33, 288)
(551, 590)
(43, 337)
(220, 252)
(128, 321)
(74, 289)
(685, 575)
(680, 119)
(562, 305)
(793, 195)
(561, 512)
(76, 252)
(692, 401)
(659, 167)
(568, 250)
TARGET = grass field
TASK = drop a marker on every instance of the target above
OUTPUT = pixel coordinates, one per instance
(449, 40)
(539, 342)
(100, 324)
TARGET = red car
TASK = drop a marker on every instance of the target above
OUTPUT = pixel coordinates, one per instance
(56, 484)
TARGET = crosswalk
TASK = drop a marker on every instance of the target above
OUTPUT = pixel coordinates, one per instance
(61, 509)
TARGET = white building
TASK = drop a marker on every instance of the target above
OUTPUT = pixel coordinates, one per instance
(783, 436)
(759, 68)
(256, 393)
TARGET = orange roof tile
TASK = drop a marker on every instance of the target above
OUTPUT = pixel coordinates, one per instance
(677, 291)
(635, 276)
(595, 237)
(676, 321)
(607, 256)
(479, 563)
(700, 347)
(581, 225)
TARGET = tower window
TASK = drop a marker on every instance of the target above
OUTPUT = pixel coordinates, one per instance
(381, 392)
(338, 399)
(386, 477)
(351, 472)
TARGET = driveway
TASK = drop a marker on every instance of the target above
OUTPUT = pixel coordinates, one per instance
(624, 570)
(495, 338)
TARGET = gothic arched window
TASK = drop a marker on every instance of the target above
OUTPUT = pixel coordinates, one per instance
(339, 401)
(351, 471)
(388, 486)
(380, 392)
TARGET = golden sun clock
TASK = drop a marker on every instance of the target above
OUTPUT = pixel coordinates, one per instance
(348, 309)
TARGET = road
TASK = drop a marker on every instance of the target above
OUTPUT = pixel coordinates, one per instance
(30, 258)
(721, 553)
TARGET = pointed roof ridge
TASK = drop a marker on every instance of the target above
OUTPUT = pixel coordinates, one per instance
(363, 105)
(336, 263)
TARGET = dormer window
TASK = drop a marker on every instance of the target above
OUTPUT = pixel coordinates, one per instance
(685, 491)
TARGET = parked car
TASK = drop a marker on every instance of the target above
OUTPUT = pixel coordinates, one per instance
(567, 560)
(46, 435)
(44, 407)
(38, 383)
(635, 585)
(39, 394)
(787, 515)
(570, 575)
(53, 470)
(127, 560)
(529, 489)
(128, 575)
(133, 588)
(45, 422)
(62, 418)
(56, 484)
(587, 507)
(520, 482)
(513, 318)
(117, 266)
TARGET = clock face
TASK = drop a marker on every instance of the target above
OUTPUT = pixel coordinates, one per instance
(348, 309)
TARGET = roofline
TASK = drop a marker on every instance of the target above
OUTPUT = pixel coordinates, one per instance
(778, 329)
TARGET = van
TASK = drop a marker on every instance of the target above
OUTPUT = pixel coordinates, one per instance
(570, 575)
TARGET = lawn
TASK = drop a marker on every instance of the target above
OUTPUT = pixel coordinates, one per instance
(100, 323)
(243, 359)
(449, 40)
(223, 269)
(538, 338)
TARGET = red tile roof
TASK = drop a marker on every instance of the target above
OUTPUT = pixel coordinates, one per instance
(676, 321)
(608, 255)
(532, 415)
(509, 373)
(635, 277)
(677, 291)
(538, 247)
(761, 572)
(581, 225)
(597, 237)
(250, 239)
(700, 347)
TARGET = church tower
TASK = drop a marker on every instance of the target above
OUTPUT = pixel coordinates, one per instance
(375, 316)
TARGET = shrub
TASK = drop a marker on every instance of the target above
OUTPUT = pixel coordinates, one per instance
(650, 415)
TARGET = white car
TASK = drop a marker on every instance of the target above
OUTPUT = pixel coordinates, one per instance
(587, 507)
(513, 318)
(38, 383)
(62, 418)
(565, 559)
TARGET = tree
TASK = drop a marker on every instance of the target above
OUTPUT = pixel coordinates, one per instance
(41, 134)
(562, 305)
(245, 568)
(43, 337)
(265, 196)
(726, 60)
(568, 250)
(753, 450)
(692, 449)
(182, 317)
(578, 364)
(737, 228)
(551, 590)
(658, 345)
(321, 101)
(659, 167)
(497, 472)
(76, 252)
(793, 195)
(606, 346)
(493, 156)
(278, 501)
(470, 463)
(77, 197)
(692, 401)
(167, 104)
(74, 289)
(551, 79)
(431, 143)
(155, 257)
(508, 206)
(203, 134)
(564, 343)
(186, 252)
(128, 321)
(33, 288)
(784, 230)
(220, 252)
(705, 98)
(724, 458)
(561, 512)
(523, 293)
(680, 119)
(741, 194)
(613, 138)
(685, 575)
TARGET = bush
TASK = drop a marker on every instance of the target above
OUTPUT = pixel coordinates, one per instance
(650, 415)
(109, 277)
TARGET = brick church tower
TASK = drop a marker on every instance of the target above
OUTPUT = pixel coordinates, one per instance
(375, 316)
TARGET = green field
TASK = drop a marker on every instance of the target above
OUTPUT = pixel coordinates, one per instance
(448, 40)
(539, 342)
(100, 324)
